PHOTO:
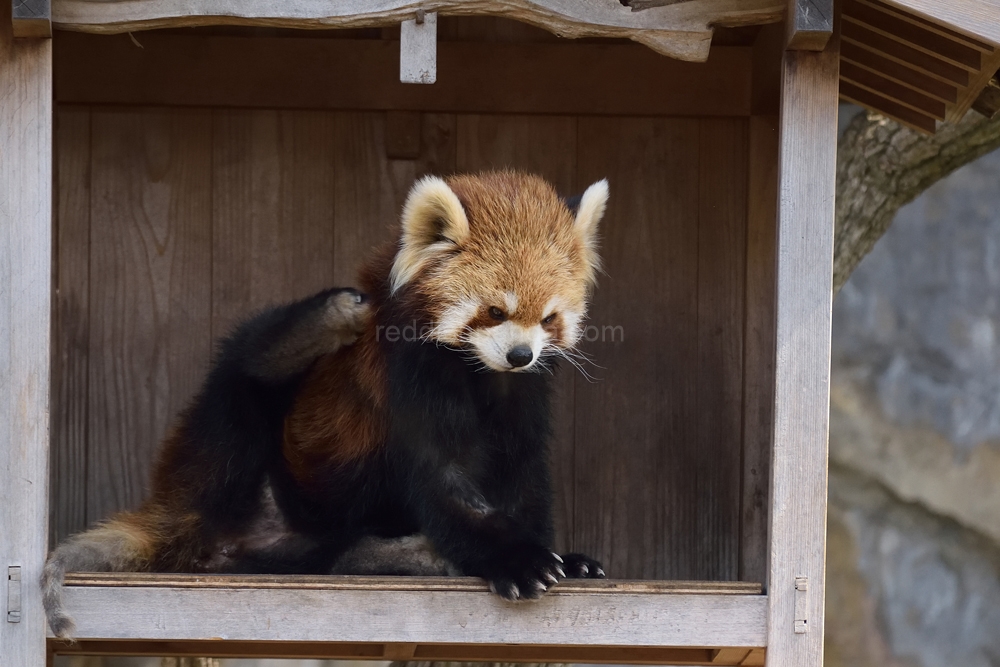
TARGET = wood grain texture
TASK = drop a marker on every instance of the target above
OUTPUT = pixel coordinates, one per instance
(545, 146)
(977, 18)
(25, 316)
(406, 616)
(71, 325)
(150, 290)
(682, 31)
(722, 229)
(809, 24)
(636, 506)
(353, 74)
(807, 166)
(272, 210)
(758, 344)
(418, 49)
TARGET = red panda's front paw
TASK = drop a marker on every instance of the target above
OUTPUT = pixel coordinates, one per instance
(527, 573)
(578, 566)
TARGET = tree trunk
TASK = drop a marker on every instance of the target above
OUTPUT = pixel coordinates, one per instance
(882, 165)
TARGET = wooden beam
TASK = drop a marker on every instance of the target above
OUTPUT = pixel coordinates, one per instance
(25, 290)
(418, 48)
(809, 24)
(806, 176)
(295, 72)
(632, 655)
(977, 18)
(31, 18)
(682, 31)
(421, 612)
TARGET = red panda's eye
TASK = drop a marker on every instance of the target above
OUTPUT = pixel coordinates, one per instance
(550, 319)
(497, 314)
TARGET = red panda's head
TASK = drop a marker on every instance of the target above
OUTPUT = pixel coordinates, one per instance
(500, 264)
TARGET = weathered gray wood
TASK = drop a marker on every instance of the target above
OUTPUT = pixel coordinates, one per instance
(445, 616)
(807, 166)
(25, 290)
(418, 48)
(31, 18)
(809, 24)
(681, 31)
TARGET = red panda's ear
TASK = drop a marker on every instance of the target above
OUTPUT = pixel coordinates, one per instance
(589, 212)
(434, 221)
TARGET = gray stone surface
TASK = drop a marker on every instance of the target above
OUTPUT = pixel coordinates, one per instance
(914, 540)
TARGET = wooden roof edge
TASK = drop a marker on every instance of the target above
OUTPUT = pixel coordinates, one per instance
(976, 18)
(681, 30)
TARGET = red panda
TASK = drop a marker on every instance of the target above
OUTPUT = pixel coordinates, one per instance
(421, 448)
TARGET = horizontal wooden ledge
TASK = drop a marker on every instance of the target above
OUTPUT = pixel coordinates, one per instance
(363, 583)
(401, 610)
(681, 30)
(636, 655)
(345, 74)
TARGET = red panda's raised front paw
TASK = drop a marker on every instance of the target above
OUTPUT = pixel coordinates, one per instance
(526, 573)
(578, 566)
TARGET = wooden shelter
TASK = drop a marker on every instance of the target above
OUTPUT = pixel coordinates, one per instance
(168, 165)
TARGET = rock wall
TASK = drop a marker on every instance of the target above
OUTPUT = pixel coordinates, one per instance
(914, 537)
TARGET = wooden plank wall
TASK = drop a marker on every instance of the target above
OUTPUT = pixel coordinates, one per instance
(172, 223)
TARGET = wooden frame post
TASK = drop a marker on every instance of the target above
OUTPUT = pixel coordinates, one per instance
(807, 179)
(25, 270)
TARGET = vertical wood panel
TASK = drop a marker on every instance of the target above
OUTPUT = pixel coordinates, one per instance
(71, 328)
(545, 146)
(273, 207)
(721, 260)
(150, 290)
(807, 179)
(25, 292)
(758, 369)
(636, 505)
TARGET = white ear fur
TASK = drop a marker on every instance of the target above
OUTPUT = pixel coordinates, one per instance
(433, 222)
(590, 211)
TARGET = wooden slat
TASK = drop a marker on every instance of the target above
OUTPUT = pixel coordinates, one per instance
(898, 72)
(367, 583)
(634, 655)
(436, 616)
(900, 52)
(272, 210)
(683, 32)
(889, 107)
(755, 658)
(545, 146)
(639, 512)
(150, 290)
(722, 233)
(807, 168)
(991, 63)
(919, 37)
(939, 28)
(71, 328)
(558, 78)
(758, 368)
(863, 78)
(25, 292)
(809, 24)
(979, 19)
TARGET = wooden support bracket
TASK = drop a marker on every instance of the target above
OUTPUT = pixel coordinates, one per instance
(418, 48)
(809, 25)
(31, 18)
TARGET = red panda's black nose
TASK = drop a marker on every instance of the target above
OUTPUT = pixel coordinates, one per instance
(519, 355)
